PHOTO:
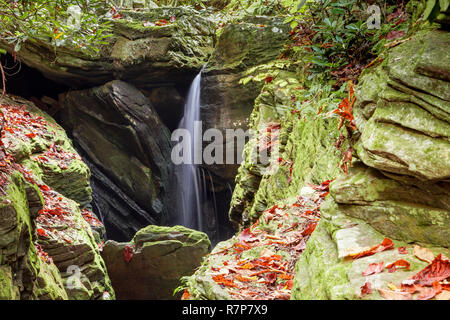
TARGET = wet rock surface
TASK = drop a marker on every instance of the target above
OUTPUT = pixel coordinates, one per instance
(121, 135)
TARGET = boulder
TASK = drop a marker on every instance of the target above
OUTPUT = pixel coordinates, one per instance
(157, 258)
(403, 110)
(128, 149)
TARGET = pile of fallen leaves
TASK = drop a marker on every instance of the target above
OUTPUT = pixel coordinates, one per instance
(55, 220)
(346, 120)
(430, 282)
(260, 264)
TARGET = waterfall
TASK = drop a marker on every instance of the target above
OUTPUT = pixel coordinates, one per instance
(190, 193)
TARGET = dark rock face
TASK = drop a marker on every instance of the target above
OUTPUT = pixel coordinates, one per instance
(169, 103)
(226, 104)
(128, 149)
(158, 258)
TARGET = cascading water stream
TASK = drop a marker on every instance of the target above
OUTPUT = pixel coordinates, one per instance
(189, 188)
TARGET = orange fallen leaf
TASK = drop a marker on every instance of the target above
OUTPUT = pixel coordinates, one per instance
(387, 244)
(399, 263)
(423, 254)
(220, 279)
(185, 295)
(248, 266)
(394, 295)
(426, 294)
(286, 276)
(241, 278)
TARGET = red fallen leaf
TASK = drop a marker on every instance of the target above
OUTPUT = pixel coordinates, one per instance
(241, 278)
(324, 186)
(366, 288)
(128, 253)
(309, 229)
(438, 270)
(286, 276)
(268, 79)
(215, 269)
(161, 22)
(270, 278)
(387, 244)
(257, 273)
(239, 247)
(31, 135)
(394, 34)
(247, 236)
(185, 295)
(445, 286)
(272, 210)
(248, 266)
(402, 250)
(289, 284)
(42, 233)
(44, 187)
(399, 263)
(8, 129)
(411, 288)
(426, 294)
(373, 268)
(220, 279)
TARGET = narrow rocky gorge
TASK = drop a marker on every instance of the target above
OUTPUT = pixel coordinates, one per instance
(351, 202)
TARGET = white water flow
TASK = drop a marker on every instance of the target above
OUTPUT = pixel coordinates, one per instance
(190, 190)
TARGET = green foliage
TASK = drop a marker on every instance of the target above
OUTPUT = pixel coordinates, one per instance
(434, 8)
(336, 34)
(176, 3)
(83, 24)
(256, 7)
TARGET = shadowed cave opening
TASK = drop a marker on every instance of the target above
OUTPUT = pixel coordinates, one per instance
(168, 99)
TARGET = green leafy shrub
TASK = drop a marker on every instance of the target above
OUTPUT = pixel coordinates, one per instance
(83, 24)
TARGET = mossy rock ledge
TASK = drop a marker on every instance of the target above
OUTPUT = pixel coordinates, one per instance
(399, 185)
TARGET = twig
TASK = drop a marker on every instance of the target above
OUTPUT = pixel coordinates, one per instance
(3, 80)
